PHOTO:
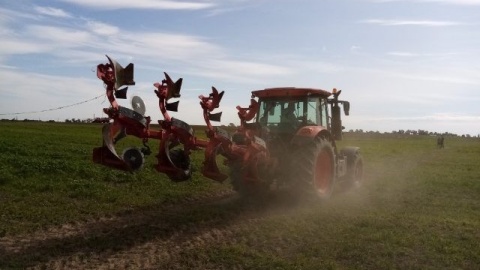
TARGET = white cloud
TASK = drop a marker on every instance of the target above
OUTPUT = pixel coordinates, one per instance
(355, 49)
(314, 66)
(12, 46)
(80, 45)
(433, 117)
(40, 92)
(9, 15)
(406, 81)
(248, 68)
(456, 2)
(437, 122)
(142, 4)
(83, 42)
(451, 2)
(54, 12)
(100, 28)
(403, 54)
(170, 46)
(230, 6)
(59, 36)
(431, 74)
(411, 22)
(431, 55)
(38, 84)
(7, 67)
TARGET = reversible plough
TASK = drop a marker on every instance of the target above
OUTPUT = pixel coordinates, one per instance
(257, 153)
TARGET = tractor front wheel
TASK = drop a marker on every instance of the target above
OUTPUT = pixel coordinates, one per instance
(313, 169)
(354, 177)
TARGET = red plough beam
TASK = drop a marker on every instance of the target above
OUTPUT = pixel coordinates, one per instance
(176, 137)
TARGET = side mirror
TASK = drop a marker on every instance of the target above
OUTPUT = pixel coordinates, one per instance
(346, 107)
(336, 122)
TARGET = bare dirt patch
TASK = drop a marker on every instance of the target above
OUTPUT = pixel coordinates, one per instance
(150, 237)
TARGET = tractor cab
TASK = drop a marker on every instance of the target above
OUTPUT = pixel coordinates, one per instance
(284, 111)
(285, 117)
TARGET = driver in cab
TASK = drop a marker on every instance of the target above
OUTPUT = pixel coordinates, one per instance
(288, 115)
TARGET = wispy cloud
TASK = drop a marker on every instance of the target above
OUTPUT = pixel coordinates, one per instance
(434, 117)
(81, 40)
(452, 2)
(60, 36)
(9, 15)
(411, 22)
(142, 4)
(434, 75)
(241, 71)
(230, 6)
(101, 28)
(355, 48)
(403, 54)
(45, 89)
(456, 2)
(54, 12)
(14, 46)
(414, 54)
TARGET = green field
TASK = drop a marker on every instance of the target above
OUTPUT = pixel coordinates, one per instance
(419, 208)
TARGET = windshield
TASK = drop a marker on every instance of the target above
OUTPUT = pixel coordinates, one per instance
(294, 112)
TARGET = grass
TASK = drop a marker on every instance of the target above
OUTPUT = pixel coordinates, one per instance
(418, 209)
(47, 177)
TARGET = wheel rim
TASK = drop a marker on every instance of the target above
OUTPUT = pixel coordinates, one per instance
(323, 172)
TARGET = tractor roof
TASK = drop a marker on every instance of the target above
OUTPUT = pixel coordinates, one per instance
(290, 92)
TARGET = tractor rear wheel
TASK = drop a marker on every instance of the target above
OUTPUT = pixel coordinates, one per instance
(313, 171)
(242, 184)
(236, 177)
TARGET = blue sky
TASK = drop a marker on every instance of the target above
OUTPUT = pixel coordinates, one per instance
(403, 64)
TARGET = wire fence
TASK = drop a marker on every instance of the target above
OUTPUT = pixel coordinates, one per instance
(56, 108)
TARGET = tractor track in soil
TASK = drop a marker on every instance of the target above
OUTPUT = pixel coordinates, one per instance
(159, 236)
(149, 238)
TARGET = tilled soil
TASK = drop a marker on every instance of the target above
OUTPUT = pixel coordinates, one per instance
(149, 238)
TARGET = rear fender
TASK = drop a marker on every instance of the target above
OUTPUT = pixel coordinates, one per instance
(309, 133)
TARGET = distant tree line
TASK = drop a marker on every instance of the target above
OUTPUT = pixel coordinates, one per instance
(412, 132)
(231, 127)
(88, 120)
(68, 120)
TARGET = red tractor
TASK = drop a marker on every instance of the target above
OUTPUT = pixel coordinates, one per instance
(286, 137)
